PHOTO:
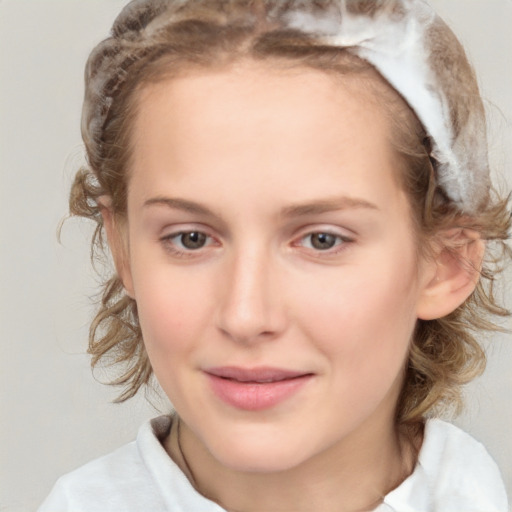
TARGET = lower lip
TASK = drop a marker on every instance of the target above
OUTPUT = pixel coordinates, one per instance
(253, 396)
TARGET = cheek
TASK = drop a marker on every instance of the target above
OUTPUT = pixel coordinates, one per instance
(174, 308)
(363, 318)
(366, 332)
(174, 314)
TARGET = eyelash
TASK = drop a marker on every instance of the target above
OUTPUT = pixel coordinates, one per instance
(341, 242)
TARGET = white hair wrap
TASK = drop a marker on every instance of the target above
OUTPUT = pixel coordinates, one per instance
(399, 39)
(405, 40)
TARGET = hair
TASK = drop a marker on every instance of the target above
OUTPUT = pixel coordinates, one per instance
(153, 40)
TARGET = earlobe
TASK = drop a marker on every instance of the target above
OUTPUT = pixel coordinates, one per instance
(456, 271)
(117, 244)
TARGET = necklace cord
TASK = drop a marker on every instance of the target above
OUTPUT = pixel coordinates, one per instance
(188, 469)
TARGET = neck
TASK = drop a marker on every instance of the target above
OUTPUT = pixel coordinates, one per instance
(352, 476)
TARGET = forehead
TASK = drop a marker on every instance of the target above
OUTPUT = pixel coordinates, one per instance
(254, 123)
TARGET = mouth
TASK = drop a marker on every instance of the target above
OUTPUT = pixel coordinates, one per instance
(255, 389)
(262, 375)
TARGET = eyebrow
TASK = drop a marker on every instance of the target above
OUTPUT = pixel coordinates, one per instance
(327, 205)
(180, 204)
(309, 208)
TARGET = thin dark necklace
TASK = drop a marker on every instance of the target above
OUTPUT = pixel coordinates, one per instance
(182, 455)
(187, 465)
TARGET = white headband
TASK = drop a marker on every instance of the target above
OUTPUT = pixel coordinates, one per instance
(413, 49)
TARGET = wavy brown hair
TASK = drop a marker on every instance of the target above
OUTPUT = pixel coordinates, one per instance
(155, 40)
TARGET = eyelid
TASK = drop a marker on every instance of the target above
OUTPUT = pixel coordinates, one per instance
(331, 229)
(175, 229)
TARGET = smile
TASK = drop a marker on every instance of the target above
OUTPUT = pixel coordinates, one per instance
(255, 389)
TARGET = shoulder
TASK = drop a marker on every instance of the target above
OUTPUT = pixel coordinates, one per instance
(118, 481)
(454, 472)
(138, 476)
(459, 463)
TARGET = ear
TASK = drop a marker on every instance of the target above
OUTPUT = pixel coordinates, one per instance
(117, 241)
(453, 274)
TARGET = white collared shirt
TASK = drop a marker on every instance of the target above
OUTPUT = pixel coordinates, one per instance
(454, 473)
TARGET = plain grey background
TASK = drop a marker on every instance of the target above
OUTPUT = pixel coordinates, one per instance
(54, 415)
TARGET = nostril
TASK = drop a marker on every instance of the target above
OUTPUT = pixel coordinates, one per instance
(249, 328)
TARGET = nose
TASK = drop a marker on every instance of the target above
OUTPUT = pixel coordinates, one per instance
(251, 309)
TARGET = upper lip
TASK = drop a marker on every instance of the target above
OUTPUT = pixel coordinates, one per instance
(259, 374)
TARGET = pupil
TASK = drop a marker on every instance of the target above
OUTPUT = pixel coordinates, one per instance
(193, 240)
(323, 241)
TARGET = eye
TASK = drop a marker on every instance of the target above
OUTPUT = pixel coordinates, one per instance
(192, 239)
(187, 240)
(323, 241)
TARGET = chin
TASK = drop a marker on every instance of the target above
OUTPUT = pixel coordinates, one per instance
(257, 454)
(261, 462)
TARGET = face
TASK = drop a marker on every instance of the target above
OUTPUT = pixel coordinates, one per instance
(271, 255)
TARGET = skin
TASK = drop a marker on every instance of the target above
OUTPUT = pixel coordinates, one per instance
(259, 159)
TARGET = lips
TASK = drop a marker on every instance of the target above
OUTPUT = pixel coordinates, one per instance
(259, 375)
(254, 389)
